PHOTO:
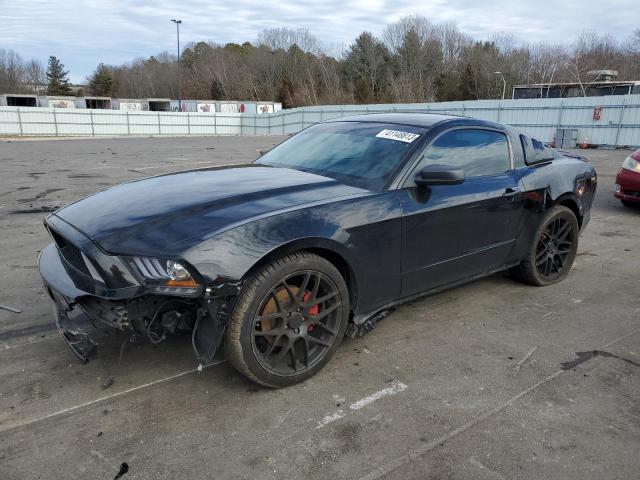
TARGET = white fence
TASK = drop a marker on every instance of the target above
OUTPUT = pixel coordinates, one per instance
(616, 124)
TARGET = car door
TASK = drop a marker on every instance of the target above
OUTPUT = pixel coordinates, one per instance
(453, 232)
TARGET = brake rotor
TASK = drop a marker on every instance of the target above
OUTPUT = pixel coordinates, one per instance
(283, 298)
(272, 307)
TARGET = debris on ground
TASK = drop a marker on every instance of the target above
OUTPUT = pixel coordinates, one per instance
(339, 400)
(107, 383)
(10, 309)
(521, 363)
(124, 468)
(584, 356)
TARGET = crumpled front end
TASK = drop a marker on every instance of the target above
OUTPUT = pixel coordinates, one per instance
(90, 288)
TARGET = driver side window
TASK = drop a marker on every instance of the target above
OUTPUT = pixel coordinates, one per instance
(478, 152)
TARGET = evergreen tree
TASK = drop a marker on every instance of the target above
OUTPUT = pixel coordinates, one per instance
(367, 64)
(467, 85)
(448, 88)
(102, 82)
(58, 82)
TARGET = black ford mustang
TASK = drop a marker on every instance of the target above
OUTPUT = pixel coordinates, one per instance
(317, 239)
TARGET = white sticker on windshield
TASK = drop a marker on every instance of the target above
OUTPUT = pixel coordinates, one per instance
(398, 135)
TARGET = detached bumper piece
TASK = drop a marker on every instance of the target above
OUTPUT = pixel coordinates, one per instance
(213, 319)
(78, 341)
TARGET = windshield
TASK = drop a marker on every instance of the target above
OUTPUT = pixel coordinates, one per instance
(363, 154)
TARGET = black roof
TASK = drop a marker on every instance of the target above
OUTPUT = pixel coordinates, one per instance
(426, 120)
(415, 119)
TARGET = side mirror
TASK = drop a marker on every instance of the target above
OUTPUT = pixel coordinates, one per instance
(439, 175)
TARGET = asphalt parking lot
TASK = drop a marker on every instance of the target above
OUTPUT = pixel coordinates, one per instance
(466, 384)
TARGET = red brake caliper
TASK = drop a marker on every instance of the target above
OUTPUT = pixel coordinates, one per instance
(312, 311)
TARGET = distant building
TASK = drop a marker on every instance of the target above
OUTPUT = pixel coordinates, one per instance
(601, 83)
(139, 104)
(18, 100)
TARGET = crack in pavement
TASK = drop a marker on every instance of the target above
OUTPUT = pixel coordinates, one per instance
(106, 397)
(387, 468)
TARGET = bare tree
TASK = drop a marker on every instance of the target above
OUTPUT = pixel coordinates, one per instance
(284, 38)
(414, 60)
(18, 75)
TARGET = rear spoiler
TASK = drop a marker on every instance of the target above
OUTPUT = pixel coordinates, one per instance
(572, 155)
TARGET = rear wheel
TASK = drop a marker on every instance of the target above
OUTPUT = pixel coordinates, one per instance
(553, 249)
(627, 203)
(288, 321)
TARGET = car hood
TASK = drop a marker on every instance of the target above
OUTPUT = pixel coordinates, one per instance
(154, 215)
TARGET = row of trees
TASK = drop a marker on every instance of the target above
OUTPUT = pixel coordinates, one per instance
(413, 60)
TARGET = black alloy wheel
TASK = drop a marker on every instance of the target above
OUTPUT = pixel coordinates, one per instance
(288, 321)
(554, 247)
(297, 323)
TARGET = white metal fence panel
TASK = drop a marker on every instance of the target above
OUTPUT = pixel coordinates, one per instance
(617, 122)
(110, 123)
(10, 122)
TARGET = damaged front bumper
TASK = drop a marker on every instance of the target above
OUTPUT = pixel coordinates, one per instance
(62, 290)
(74, 336)
(80, 302)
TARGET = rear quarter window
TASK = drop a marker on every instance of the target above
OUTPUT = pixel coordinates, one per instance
(535, 151)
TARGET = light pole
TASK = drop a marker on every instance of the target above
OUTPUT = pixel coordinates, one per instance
(273, 73)
(178, 22)
(504, 83)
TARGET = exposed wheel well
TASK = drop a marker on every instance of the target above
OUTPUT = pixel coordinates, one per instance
(343, 267)
(573, 206)
(331, 256)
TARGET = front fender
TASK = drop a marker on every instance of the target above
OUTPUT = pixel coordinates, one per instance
(364, 231)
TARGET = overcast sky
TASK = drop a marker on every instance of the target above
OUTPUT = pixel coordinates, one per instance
(83, 33)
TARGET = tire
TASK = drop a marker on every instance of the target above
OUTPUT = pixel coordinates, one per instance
(545, 254)
(277, 335)
(629, 204)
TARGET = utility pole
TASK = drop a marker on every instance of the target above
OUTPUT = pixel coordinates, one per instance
(178, 22)
(504, 83)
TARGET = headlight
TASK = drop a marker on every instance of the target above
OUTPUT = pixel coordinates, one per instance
(165, 276)
(631, 164)
(177, 272)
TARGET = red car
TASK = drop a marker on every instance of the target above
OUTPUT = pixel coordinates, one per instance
(627, 187)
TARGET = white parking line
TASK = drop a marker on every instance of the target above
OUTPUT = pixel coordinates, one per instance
(395, 388)
(106, 397)
(30, 342)
(332, 417)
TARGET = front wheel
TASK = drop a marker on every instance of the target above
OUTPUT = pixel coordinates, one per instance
(553, 249)
(288, 320)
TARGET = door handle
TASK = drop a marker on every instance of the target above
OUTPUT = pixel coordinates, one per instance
(511, 193)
